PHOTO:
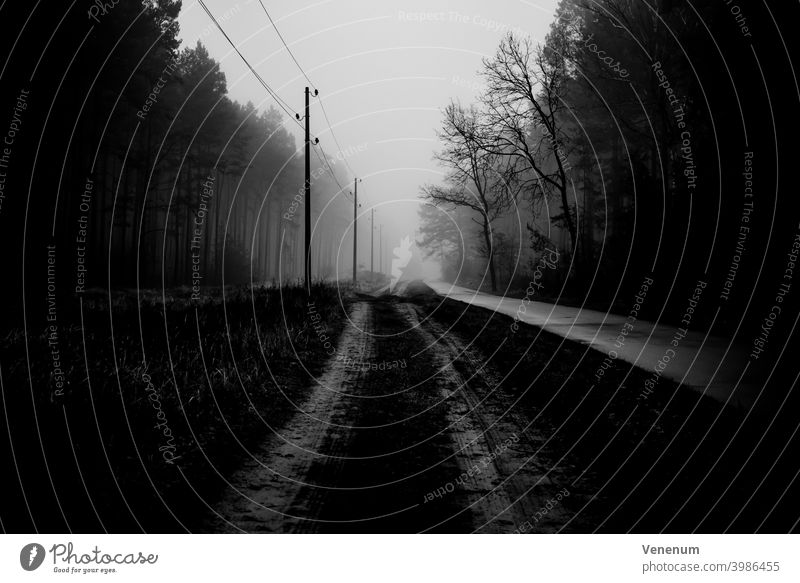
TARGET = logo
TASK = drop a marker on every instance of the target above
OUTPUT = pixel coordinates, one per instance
(31, 556)
(402, 255)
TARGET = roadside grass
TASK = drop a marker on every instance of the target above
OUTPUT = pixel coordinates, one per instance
(675, 460)
(159, 408)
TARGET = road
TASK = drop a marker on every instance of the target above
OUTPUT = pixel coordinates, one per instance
(406, 431)
(436, 416)
(708, 364)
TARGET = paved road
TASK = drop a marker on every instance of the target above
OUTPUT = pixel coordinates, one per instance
(706, 363)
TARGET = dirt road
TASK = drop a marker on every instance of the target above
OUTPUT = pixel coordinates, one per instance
(406, 431)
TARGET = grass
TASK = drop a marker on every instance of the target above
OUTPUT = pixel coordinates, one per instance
(661, 462)
(159, 408)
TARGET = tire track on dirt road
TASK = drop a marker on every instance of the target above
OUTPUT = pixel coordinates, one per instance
(271, 491)
(429, 447)
(482, 421)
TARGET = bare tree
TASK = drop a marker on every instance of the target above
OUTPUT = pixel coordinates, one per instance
(477, 178)
(525, 119)
(439, 235)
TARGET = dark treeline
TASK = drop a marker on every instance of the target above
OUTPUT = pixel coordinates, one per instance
(125, 165)
(130, 161)
(642, 139)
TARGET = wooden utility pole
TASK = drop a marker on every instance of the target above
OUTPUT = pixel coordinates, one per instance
(308, 198)
(372, 247)
(380, 253)
(355, 229)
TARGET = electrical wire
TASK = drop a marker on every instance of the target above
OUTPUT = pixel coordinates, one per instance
(335, 140)
(311, 83)
(280, 36)
(324, 160)
(281, 103)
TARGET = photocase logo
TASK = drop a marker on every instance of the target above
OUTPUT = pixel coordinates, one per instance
(31, 556)
(402, 255)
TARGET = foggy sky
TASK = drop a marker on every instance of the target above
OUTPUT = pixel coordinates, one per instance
(384, 70)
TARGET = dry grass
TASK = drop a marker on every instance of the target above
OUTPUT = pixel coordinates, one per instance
(200, 380)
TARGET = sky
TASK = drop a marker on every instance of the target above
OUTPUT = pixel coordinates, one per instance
(384, 72)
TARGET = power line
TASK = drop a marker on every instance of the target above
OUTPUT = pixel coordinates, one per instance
(280, 36)
(310, 82)
(324, 160)
(281, 103)
(333, 135)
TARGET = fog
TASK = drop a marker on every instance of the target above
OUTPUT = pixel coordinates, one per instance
(384, 72)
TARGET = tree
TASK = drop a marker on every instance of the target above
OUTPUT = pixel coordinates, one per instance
(440, 236)
(477, 178)
(525, 107)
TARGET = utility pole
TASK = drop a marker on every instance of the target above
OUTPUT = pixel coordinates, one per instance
(372, 247)
(308, 197)
(355, 229)
(380, 253)
(308, 190)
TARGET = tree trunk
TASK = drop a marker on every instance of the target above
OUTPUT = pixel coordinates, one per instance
(487, 235)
